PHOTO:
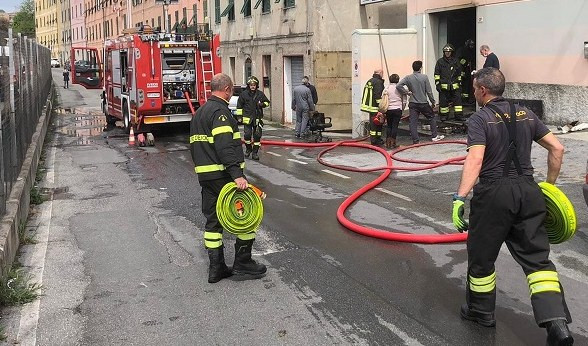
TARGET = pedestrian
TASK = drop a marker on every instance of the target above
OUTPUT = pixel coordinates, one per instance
(372, 91)
(312, 90)
(215, 145)
(466, 56)
(419, 89)
(448, 84)
(250, 105)
(491, 58)
(508, 206)
(65, 78)
(302, 103)
(394, 112)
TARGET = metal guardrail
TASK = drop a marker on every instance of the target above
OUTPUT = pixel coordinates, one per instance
(25, 83)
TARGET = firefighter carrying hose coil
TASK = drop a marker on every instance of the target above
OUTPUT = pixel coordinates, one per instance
(215, 145)
(508, 207)
(372, 92)
(448, 82)
(250, 106)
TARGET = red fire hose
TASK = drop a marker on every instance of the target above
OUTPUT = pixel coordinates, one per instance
(374, 232)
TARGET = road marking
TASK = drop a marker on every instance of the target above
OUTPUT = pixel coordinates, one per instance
(400, 333)
(391, 193)
(298, 161)
(335, 174)
(29, 316)
(272, 153)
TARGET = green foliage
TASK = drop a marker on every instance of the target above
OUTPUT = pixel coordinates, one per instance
(24, 20)
(16, 288)
(26, 237)
(36, 196)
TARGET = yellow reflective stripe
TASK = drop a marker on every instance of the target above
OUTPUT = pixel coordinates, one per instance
(247, 236)
(213, 168)
(201, 138)
(209, 168)
(462, 61)
(444, 86)
(458, 108)
(483, 285)
(543, 275)
(548, 286)
(444, 110)
(437, 76)
(237, 135)
(213, 240)
(239, 111)
(455, 85)
(257, 144)
(266, 104)
(246, 120)
(372, 133)
(222, 129)
(213, 235)
(247, 141)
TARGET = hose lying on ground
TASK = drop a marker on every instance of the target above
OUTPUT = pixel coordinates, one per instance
(240, 212)
(560, 221)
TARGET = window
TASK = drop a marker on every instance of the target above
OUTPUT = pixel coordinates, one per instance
(159, 21)
(184, 14)
(194, 15)
(205, 8)
(265, 6)
(246, 9)
(217, 13)
(229, 11)
(289, 3)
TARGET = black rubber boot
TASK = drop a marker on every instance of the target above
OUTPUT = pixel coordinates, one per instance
(485, 319)
(558, 333)
(217, 270)
(248, 150)
(254, 155)
(244, 267)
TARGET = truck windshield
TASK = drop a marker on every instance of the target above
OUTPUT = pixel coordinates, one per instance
(175, 61)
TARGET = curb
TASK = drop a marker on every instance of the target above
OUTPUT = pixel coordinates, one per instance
(17, 206)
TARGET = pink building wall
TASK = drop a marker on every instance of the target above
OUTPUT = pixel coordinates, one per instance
(78, 38)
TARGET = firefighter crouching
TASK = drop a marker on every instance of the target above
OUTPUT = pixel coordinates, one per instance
(508, 206)
(448, 83)
(250, 106)
(215, 145)
(372, 93)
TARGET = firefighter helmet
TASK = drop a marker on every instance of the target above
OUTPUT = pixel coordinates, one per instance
(448, 48)
(253, 80)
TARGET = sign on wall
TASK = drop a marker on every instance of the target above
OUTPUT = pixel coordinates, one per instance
(365, 2)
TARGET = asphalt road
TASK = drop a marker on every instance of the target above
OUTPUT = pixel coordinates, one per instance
(124, 260)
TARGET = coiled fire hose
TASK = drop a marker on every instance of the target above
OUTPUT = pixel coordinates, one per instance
(560, 221)
(240, 212)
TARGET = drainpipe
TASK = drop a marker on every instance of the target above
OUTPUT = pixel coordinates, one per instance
(424, 44)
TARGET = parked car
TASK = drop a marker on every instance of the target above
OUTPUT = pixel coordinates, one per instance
(55, 62)
(585, 188)
(237, 90)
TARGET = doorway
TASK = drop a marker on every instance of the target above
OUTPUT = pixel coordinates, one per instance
(293, 73)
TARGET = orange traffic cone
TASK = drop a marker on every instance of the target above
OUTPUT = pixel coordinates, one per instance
(132, 137)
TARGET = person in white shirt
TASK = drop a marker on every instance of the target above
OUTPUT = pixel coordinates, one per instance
(394, 112)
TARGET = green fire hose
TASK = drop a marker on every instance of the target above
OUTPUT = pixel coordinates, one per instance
(240, 212)
(560, 221)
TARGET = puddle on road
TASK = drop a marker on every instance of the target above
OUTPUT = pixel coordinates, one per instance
(85, 126)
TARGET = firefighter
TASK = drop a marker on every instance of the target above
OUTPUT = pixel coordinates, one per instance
(447, 81)
(215, 145)
(466, 56)
(250, 106)
(372, 93)
(508, 206)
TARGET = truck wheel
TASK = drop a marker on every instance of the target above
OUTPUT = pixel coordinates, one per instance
(110, 120)
(126, 118)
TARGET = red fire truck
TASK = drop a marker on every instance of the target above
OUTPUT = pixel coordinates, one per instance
(85, 67)
(155, 78)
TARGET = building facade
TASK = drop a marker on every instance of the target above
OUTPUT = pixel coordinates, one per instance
(64, 33)
(46, 25)
(543, 56)
(78, 19)
(281, 41)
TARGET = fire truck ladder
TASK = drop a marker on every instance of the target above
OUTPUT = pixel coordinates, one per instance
(207, 71)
